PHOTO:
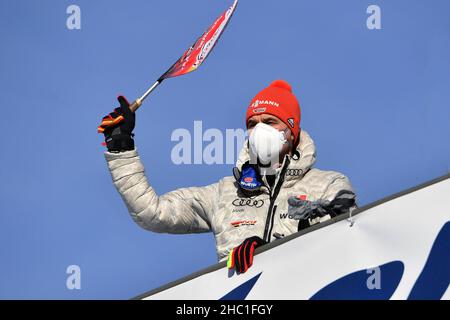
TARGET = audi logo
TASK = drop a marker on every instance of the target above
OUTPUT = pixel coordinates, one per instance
(294, 172)
(248, 202)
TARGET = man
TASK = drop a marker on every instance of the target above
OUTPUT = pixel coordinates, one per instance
(274, 191)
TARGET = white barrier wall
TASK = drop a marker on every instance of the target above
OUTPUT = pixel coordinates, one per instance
(398, 249)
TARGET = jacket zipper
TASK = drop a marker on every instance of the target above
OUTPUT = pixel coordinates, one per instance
(271, 212)
(269, 234)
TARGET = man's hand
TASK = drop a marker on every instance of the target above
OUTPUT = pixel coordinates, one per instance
(302, 209)
(241, 257)
(118, 127)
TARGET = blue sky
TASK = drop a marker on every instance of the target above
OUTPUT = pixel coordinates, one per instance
(376, 102)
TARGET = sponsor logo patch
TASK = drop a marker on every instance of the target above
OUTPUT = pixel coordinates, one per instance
(294, 172)
(286, 216)
(242, 202)
(240, 223)
(257, 103)
(291, 122)
(259, 110)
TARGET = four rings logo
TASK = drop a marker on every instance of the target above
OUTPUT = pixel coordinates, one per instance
(248, 202)
(294, 172)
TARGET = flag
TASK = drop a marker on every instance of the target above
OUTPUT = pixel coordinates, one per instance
(198, 52)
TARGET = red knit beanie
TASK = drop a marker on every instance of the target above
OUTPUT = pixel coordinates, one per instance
(279, 101)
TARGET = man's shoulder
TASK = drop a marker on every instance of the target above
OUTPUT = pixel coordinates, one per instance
(227, 180)
(324, 175)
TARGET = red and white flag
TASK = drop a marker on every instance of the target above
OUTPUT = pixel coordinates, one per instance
(198, 52)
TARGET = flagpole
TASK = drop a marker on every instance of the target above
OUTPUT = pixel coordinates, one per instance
(136, 104)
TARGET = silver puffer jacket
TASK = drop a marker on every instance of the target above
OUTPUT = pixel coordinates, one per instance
(223, 207)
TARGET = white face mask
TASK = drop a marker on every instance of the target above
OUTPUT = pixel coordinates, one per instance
(266, 143)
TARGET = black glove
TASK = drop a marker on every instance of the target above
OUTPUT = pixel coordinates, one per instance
(302, 209)
(241, 257)
(118, 127)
